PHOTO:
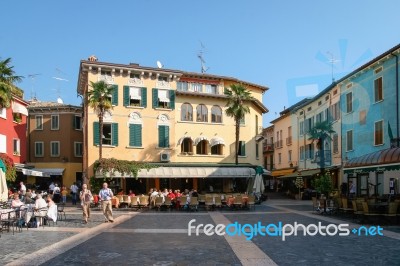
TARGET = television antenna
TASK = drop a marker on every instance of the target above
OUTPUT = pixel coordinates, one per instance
(32, 77)
(59, 72)
(202, 61)
(332, 61)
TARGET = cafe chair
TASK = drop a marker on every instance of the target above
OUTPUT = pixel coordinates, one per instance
(60, 211)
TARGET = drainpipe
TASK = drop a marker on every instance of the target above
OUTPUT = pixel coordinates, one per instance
(397, 98)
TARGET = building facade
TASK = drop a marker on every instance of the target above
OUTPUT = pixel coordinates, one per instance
(174, 119)
(55, 143)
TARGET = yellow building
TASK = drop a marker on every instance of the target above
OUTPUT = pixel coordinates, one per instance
(174, 119)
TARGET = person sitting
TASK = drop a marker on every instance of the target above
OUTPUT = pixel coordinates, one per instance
(40, 203)
(121, 192)
(131, 194)
(16, 203)
(171, 195)
(194, 193)
(52, 211)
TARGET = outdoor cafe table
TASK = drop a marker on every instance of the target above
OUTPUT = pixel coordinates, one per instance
(231, 200)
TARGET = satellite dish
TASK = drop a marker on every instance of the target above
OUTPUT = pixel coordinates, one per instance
(59, 100)
(159, 65)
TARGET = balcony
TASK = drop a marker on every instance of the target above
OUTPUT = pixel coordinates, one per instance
(289, 141)
(268, 147)
(279, 144)
(328, 157)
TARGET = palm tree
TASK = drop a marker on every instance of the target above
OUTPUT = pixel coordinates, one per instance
(237, 95)
(99, 99)
(7, 80)
(319, 133)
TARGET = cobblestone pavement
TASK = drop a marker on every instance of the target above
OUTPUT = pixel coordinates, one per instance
(161, 238)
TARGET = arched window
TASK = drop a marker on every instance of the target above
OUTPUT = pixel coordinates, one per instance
(216, 114)
(217, 149)
(186, 112)
(202, 113)
(187, 145)
(201, 147)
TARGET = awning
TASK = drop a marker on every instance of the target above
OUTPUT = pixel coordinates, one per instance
(259, 137)
(190, 172)
(51, 171)
(182, 138)
(379, 161)
(216, 141)
(19, 108)
(282, 172)
(31, 171)
(305, 173)
(198, 139)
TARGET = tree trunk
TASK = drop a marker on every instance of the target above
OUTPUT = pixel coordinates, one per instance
(101, 136)
(322, 165)
(237, 125)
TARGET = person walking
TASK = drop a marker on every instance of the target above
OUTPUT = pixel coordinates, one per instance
(86, 198)
(105, 196)
(74, 191)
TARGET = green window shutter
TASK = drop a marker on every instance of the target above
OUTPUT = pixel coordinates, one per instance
(163, 136)
(126, 96)
(155, 98)
(135, 135)
(144, 97)
(115, 95)
(114, 130)
(96, 133)
(172, 99)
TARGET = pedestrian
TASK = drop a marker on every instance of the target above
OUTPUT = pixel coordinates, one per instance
(86, 198)
(64, 193)
(74, 191)
(106, 195)
(56, 193)
(22, 190)
(352, 189)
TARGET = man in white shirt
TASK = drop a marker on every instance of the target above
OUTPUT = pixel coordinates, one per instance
(105, 196)
(22, 189)
(74, 191)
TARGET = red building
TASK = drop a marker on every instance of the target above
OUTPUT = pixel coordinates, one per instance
(13, 139)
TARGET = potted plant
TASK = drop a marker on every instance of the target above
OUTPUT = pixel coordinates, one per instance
(299, 183)
(323, 185)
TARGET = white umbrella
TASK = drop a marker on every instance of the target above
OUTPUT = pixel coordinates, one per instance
(258, 186)
(3, 186)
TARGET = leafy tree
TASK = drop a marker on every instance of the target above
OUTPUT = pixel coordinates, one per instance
(99, 99)
(237, 96)
(7, 80)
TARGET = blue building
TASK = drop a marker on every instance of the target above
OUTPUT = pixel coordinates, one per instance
(369, 104)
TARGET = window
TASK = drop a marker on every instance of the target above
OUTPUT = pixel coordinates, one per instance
(77, 122)
(279, 158)
(187, 145)
(334, 112)
(301, 128)
(378, 70)
(348, 86)
(182, 86)
(163, 78)
(216, 114)
(242, 121)
(16, 146)
(335, 143)
(3, 143)
(319, 117)
(301, 153)
(217, 149)
(289, 138)
(39, 122)
(55, 122)
(135, 135)
(309, 108)
(211, 89)
(202, 113)
(54, 148)
(186, 112)
(310, 151)
(135, 96)
(3, 113)
(201, 147)
(349, 140)
(290, 156)
(106, 73)
(134, 76)
(349, 102)
(78, 149)
(378, 133)
(257, 152)
(163, 136)
(110, 134)
(242, 148)
(17, 117)
(309, 124)
(39, 147)
(197, 87)
(378, 89)
(163, 98)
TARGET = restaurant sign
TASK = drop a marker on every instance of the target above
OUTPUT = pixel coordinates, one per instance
(379, 168)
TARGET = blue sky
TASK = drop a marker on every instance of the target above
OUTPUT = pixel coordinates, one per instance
(285, 45)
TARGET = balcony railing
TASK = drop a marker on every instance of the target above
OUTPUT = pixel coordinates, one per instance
(327, 157)
(279, 144)
(268, 147)
(289, 140)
